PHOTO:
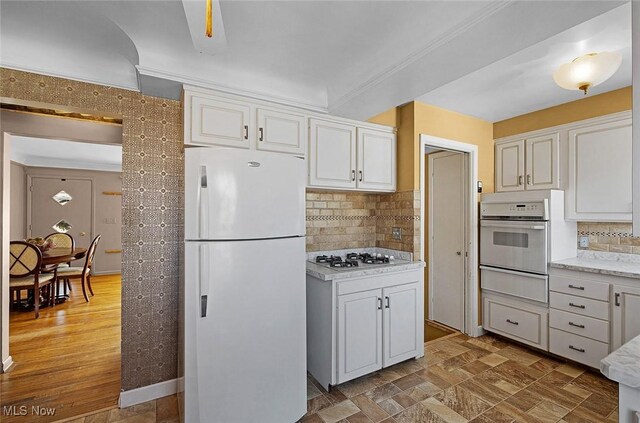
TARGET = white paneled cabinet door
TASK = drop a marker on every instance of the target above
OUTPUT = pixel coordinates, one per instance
(542, 164)
(332, 154)
(281, 132)
(400, 323)
(600, 172)
(626, 315)
(220, 122)
(359, 334)
(510, 166)
(376, 160)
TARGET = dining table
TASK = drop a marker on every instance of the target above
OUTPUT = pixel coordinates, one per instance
(59, 255)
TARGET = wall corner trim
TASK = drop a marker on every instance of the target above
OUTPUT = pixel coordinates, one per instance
(6, 364)
(148, 393)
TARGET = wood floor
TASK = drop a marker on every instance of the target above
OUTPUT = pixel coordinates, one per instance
(68, 359)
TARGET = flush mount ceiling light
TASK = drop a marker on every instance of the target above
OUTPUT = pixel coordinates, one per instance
(587, 71)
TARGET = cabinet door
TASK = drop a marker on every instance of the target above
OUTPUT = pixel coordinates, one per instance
(542, 164)
(510, 166)
(626, 315)
(376, 160)
(359, 334)
(220, 122)
(600, 177)
(332, 154)
(281, 132)
(400, 323)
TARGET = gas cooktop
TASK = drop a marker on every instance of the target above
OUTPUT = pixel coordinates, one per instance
(354, 260)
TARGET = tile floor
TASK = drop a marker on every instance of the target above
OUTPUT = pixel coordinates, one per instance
(162, 410)
(462, 379)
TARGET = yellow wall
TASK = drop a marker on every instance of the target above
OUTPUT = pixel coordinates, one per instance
(584, 108)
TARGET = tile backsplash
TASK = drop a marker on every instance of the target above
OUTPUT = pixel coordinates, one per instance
(612, 237)
(342, 220)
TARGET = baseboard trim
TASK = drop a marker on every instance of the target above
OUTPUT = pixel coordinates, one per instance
(148, 393)
(6, 364)
(479, 332)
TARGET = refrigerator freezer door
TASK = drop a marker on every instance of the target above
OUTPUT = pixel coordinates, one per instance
(239, 194)
(246, 360)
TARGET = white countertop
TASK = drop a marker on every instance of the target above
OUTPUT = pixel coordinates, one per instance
(328, 274)
(625, 265)
(623, 365)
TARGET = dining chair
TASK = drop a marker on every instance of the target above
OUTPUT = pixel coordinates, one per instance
(83, 273)
(25, 261)
(61, 240)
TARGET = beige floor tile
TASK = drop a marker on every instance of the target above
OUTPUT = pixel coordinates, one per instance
(493, 360)
(444, 412)
(391, 406)
(370, 408)
(167, 409)
(339, 411)
(574, 389)
(462, 402)
(548, 412)
(569, 370)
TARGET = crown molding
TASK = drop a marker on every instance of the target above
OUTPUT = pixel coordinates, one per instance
(229, 89)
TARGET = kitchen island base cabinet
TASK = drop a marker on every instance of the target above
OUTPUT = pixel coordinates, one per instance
(356, 326)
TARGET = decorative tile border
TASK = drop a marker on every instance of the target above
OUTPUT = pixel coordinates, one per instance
(372, 217)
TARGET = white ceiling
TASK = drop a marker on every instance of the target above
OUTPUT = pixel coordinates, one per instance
(40, 152)
(351, 58)
(523, 82)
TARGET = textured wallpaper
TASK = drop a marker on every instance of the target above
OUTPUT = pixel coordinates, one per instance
(152, 212)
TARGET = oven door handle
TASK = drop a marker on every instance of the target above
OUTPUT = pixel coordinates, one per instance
(493, 224)
(514, 272)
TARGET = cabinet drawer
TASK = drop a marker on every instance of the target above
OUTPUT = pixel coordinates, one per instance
(524, 285)
(510, 320)
(579, 287)
(584, 306)
(580, 325)
(577, 348)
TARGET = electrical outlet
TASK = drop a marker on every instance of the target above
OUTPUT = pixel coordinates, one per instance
(584, 241)
(396, 233)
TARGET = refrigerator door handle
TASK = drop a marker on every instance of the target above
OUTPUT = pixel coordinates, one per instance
(204, 279)
(204, 203)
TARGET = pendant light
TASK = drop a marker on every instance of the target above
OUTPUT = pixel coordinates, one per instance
(209, 18)
(587, 71)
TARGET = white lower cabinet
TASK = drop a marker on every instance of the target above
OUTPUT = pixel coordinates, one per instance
(522, 321)
(626, 314)
(360, 325)
(577, 348)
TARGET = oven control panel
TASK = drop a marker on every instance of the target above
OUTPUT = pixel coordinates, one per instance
(536, 210)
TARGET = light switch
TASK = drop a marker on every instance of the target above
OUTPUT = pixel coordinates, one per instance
(110, 220)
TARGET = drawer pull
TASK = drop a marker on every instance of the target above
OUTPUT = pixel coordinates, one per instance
(576, 325)
(576, 349)
(582, 306)
(581, 288)
(512, 322)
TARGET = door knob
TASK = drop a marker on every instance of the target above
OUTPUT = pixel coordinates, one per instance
(83, 233)
(459, 253)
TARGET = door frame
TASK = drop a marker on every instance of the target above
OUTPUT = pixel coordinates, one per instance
(465, 224)
(471, 321)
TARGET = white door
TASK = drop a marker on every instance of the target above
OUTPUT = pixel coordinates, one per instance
(220, 122)
(376, 160)
(543, 166)
(626, 315)
(245, 331)
(359, 334)
(282, 132)
(332, 154)
(510, 166)
(61, 205)
(446, 229)
(400, 323)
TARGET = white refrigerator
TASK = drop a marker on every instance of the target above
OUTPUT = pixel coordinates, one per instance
(243, 297)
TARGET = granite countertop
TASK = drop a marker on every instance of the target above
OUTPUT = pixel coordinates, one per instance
(327, 274)
(625, 265)
(623, 365)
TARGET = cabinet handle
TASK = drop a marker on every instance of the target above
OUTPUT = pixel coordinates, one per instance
(581, 288)
(617, 299)
(512, 322)
(360, 175)
(353, 175)
(379, 303)
(576, 349)
(388, 302)
(246, 132)
(261, 134)
(582, 306)
(528, 179)
(576, 325)
(520, 180)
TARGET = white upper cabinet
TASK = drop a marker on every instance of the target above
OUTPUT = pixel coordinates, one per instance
(332, 154)
(376, 160)
(600, 175)
(282, 132)
(510, 166)
(528, 164)
(218, 122)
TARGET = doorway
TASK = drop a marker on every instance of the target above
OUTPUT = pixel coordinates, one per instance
(449, 237)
